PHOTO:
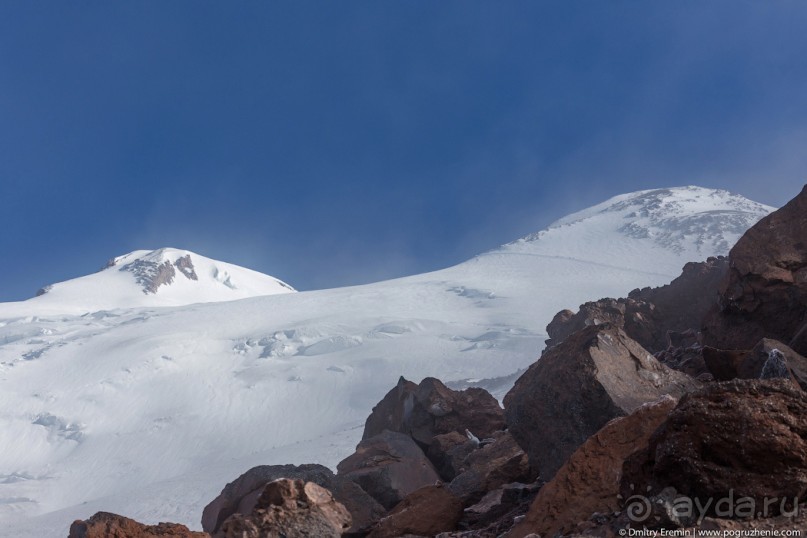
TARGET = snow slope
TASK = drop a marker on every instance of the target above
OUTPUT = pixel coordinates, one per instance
(149, 411)
(163, 277)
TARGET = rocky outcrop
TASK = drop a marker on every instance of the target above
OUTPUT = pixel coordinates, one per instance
(289, 509)
(724, 364)
(430, 409)
(595, 375)
(151, 274)
(424, 512)
(769, 358)
(388, 466)
(495, 512)
(764, 294)
(589, 482)
(495, 464)
(741, 438)
(687, 359)
(448, 452)
(650, 316)
(241, 495)
(106, 525)
(185, 266)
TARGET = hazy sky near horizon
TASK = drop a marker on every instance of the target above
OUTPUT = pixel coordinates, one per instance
(336, 143)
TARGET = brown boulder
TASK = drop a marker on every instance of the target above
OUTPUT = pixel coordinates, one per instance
(685, 359)
(429, 409)
(595, 375)
(487, 468)
(726, 365)
(289, 509)
(764, 294)
(589, 482)
(498, 507)
(741, 438)
(240, 495)
(448, 452)
(106, 525)
(651, 316)
(388, 466)
(723, 364)
(364, 510)
(425, 512)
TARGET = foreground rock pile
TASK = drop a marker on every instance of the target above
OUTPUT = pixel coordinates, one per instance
(679, 408)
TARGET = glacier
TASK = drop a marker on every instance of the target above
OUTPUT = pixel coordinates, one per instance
(148, 404)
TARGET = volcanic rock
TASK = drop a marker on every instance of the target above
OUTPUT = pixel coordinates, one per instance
(106, 525)
(730, 364)
(741, 438)
(685, 359)
(424, 512)
(589, 481)
(289, 509)
(498, 504)
(764, 294)
(388, 466)
(595, 375)
(429, 409)
(656, 318)
(447, 453)
(495, 464)
(724, 364)
(241, 495)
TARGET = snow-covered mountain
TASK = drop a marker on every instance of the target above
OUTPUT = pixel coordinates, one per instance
(148, 411)
(163, 277)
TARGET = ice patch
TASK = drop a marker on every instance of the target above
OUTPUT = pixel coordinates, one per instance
(59, 427)
(331, 345)
(472, 293)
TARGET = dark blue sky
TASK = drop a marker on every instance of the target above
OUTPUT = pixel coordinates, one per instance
(333, 143)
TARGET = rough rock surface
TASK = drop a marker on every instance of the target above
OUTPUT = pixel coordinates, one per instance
(650, 315)
(727, 365)
(429, 409)
(687, 359)
(289, 509)
(487, 468)
(595, 375)
(106, 525)
(589, 482)
(724, 364)
(425, 512)
(747, 438)
(447, 453)
(388, 466)
(240, 495)
(495, 511)
(764, 294)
